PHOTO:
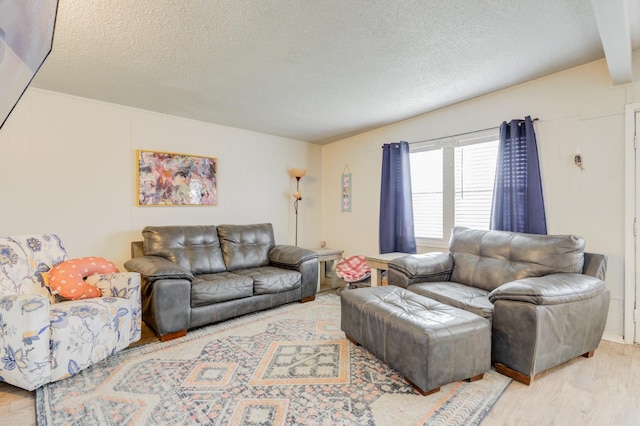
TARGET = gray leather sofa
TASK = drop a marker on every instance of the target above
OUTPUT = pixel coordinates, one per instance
(546, 297)
(198, 275)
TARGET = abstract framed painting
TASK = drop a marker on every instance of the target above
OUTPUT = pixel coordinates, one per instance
(171, 179)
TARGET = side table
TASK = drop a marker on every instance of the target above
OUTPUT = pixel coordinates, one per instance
(379, 263)
(327, 255)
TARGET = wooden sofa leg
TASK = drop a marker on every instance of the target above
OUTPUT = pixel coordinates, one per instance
(475, 378)
(589, 354)
(308, 299)
(174, 335)
(349, 338)
(515, 375)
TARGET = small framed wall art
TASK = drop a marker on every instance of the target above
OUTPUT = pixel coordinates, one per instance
(346, 189)
(170, 179)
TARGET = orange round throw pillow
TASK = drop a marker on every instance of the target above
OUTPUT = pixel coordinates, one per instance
(67, 278)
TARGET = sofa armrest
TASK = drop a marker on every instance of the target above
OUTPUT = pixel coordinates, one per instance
(417, 268)
(290, 256)
(550, 289)
(166, 305)
(302, 260)
(595, 265)
(25, 340)
(117, 284)
(154, 268)
(124, 285)
(529, 338)
(165, 293)
(426, 265)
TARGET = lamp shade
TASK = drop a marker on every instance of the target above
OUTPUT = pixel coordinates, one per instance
(298, 172)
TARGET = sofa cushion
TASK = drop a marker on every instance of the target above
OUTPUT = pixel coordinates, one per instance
(269, 279)
(195, 248)
(488, 259)
(246, 246)
(461, 296)
(214, 288)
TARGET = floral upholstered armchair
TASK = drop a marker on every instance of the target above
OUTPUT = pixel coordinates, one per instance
(44, 338)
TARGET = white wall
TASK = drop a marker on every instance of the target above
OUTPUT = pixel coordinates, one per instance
(67, 166)
(578, 109)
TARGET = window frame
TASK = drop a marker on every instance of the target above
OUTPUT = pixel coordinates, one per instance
(448, 146)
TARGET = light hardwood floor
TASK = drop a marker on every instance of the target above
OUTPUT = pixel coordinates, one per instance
(602, 390)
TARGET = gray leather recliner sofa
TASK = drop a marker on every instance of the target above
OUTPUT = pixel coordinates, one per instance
(198, 275)
(545, 296)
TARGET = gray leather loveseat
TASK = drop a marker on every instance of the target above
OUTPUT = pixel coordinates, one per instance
(544, 295)
(198, 275)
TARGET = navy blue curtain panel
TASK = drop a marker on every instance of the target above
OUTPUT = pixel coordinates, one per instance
(518, 203)
(396, 208)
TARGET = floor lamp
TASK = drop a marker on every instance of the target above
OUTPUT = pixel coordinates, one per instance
(298, 174)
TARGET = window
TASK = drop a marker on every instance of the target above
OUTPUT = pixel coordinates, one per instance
(452, 184)
(427, 193)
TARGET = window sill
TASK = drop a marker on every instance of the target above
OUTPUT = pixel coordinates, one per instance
(426, 245)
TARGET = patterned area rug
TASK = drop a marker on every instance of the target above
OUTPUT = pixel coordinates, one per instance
(289, 365)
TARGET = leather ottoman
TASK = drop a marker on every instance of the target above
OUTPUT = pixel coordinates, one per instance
(430, 343)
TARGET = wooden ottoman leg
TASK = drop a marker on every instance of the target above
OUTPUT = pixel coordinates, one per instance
(420, 391)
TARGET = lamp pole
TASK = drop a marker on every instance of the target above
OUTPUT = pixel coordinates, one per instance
(298, 173)
(298, 197)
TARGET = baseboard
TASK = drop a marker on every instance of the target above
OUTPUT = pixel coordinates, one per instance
(610, 337)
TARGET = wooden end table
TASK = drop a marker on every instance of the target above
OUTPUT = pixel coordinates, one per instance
(379, 263)
(327, 255)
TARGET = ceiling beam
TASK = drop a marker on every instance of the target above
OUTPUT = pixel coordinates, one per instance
(612, 17)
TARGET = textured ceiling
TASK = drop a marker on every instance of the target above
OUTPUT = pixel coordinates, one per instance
(315, 71)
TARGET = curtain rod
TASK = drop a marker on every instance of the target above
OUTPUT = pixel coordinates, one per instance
(465, 133)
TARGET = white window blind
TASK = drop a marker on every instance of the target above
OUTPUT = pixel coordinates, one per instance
(427, 194)
(452, 185)
(475, 170)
